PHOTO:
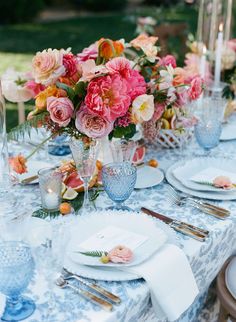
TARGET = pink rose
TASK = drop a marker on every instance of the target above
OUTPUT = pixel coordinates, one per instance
(232, 44)
(90, 52)
(168, 60)
(195, 89)
(120, 254)
(92, 125)
(34, 87)
(48, 66)
(70, 63)
(108, 97)
(222, 182)
(61, 110)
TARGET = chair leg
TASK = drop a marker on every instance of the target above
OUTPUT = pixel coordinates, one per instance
(223, 316)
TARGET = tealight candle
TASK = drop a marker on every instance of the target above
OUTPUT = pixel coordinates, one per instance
(51, 200)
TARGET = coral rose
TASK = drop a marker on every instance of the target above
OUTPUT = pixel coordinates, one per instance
(18, 164)
(222, 182)
(61, 110)
(143, 108)
(48, 66)
(147, 44)
(92, 125)
(108, 97)
(120, 254)
(195, 89)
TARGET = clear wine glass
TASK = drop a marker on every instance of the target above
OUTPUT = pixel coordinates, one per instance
(119, 180)
(16, 271)
(85, 152)
(123, 150)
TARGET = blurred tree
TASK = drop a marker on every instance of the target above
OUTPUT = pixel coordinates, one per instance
(166, 3)
(102, 5)
(14, 11)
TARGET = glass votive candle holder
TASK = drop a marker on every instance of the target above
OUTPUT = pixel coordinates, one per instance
(50, 183)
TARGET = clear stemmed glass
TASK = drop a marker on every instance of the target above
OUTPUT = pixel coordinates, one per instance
(16, 271)
(119, 180)
(85, 154)
(123, 150)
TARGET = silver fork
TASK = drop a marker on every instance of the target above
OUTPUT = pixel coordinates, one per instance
(176, 198)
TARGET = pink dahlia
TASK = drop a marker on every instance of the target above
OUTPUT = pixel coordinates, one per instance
(108, 97)
(70, 64)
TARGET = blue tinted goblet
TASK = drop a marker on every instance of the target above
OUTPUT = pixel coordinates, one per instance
(119, 180)
(207, 134)
(16, 271)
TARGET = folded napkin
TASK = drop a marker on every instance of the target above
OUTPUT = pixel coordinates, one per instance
(171, 282)
(209, 174)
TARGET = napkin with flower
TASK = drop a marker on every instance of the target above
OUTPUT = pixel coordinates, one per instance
(217, 178)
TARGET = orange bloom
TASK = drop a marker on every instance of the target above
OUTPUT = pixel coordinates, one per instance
(179, 76)
(109, 48)
(41, 98)
(18, 164)
(146, 43)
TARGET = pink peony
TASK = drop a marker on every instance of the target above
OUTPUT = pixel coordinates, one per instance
(168, 60)
(222, 182)
(137, 84)
(92, 125)
(34, 87)
(120, 254)
(48, 66)
(108, 97)
(70, 63)
(195, 89)
(61, 110)
(90, 52)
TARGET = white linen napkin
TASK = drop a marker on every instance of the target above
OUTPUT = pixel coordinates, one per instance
(171, 282)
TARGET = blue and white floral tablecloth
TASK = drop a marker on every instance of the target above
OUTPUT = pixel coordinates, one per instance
(206, 258)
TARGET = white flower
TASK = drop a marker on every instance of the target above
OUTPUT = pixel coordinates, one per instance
(13, 87)
(143, 108)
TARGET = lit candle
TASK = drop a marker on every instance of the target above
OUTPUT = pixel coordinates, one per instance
(51, 200)
(218, 54)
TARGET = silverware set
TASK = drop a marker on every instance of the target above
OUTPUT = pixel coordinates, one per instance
(176, 198)
(100, 296)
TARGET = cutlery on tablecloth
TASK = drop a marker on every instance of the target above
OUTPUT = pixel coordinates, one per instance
(176, 198)
(180, 226)
(68, 275)
(62, 283)
(29, 179)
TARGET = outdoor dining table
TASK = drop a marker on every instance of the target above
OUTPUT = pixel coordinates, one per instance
(206, 258)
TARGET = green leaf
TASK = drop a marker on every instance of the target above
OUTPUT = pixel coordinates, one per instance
(25, 128)
(126, 132)
(70, 92)
(94, 253)
(80, 89)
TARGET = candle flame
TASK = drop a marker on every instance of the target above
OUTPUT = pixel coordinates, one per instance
(221, 27)
(50, 190)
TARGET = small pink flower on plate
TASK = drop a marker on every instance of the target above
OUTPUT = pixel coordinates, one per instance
(120, 254)
(222, 182)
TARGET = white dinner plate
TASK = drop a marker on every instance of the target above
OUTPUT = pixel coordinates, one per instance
(33, 167)
(229, 129)
(134, 222)
(200, 194)
(190, 168)
(148, 177)
(230, 279)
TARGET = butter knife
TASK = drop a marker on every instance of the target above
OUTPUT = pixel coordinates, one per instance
(182, 227)
(29, 179)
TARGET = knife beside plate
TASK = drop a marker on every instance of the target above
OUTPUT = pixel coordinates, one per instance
(180, 226)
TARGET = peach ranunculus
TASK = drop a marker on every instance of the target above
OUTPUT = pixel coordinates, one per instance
(120, 254)
(18, 164)
(222, 182)
(108, 97)
(60, 109)
(147, 44)
(92, 125)
(47, 66)
(108, 48)
(41, 98)
(142, 108)
(179, 76)
(91, 70)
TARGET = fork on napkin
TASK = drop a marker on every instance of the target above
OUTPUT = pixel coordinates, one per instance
(171, 282)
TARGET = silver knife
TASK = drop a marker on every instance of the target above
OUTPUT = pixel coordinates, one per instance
(180, 226)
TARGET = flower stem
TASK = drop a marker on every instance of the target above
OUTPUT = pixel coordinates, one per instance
(39, 146)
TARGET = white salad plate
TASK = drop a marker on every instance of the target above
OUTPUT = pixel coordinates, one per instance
(191, 168)
(148, 177)
(231, 195)
(158, 234)
(33, 167)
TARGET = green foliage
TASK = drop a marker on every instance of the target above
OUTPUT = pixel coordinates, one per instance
(25, 128)
(94, 253)
(123, 132)
(14, 11)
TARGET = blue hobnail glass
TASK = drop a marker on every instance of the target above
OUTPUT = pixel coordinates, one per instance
(16, 271)
(208, 134)
(119, 180)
